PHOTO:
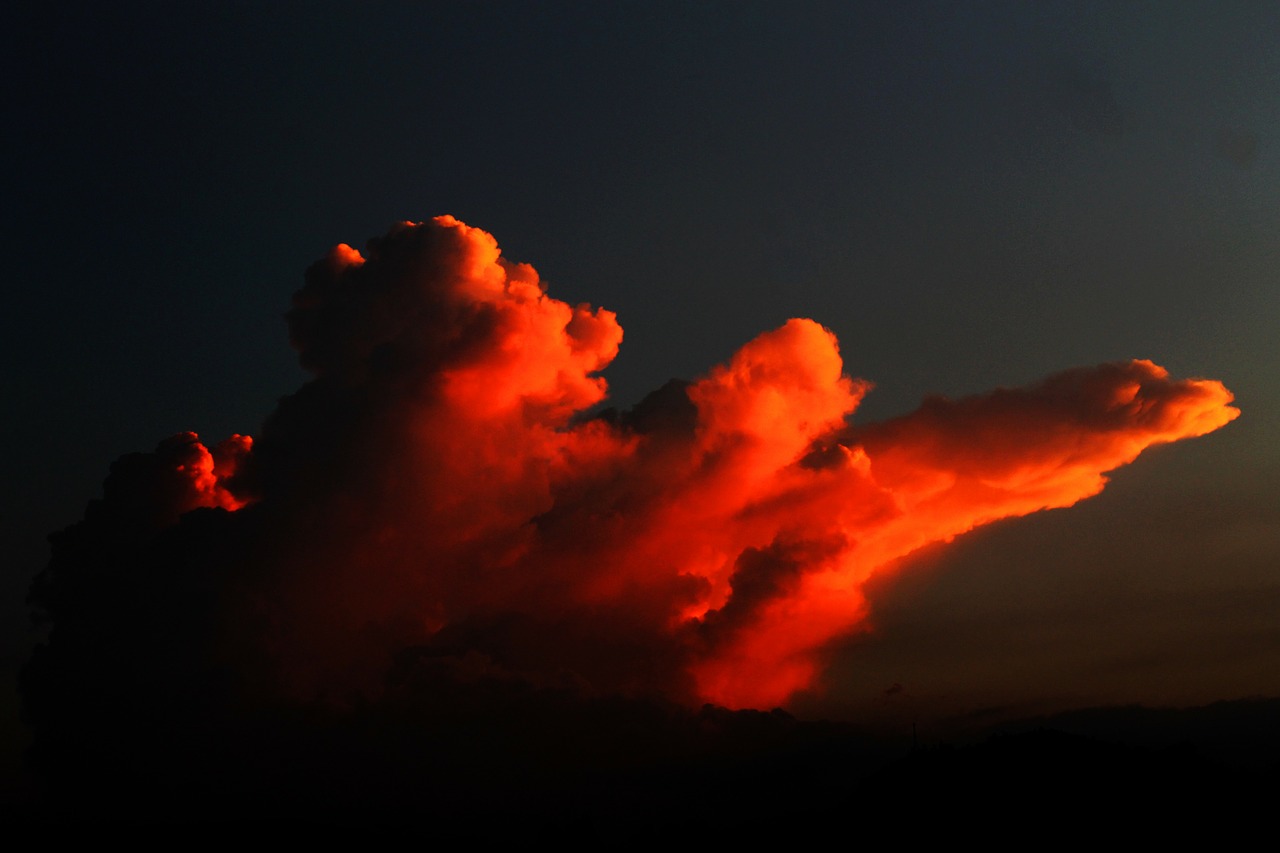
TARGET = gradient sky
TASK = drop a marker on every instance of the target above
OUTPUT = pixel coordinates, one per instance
(968, 196)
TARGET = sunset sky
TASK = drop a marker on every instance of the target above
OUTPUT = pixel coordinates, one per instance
(967, 196)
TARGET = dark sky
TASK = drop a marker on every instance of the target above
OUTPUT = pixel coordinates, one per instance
(969, 196)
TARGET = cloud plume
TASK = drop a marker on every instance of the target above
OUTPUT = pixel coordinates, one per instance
(442, 486)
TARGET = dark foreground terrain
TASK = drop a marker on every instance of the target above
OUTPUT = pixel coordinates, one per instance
(495, 760)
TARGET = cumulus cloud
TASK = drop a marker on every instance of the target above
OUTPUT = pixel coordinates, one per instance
(440, 489)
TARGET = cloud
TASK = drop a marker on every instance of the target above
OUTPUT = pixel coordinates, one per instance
(440, 488)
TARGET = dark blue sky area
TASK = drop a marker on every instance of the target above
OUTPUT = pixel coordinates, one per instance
(968, 195)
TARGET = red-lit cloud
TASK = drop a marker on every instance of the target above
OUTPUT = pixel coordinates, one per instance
(439, 485)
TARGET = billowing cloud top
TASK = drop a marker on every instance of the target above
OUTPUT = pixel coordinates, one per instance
(440, 486)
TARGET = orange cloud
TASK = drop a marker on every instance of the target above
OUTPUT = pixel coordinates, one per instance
(438, 484)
